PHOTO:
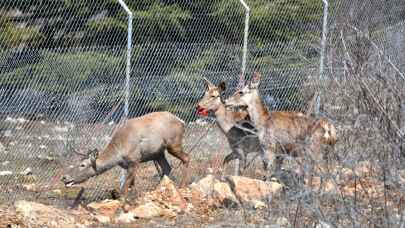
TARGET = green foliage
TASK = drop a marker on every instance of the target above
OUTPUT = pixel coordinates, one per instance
(12, 36)
(283, 20)
(107, 24)
(65, 73)
(159, 27)
(159, 19)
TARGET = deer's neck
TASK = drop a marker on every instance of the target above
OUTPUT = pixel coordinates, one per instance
(258, 112)
(224, 119)
(109, 158)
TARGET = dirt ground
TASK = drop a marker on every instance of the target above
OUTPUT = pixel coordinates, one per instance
(364, 199)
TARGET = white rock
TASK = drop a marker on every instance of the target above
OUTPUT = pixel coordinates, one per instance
(61, 129)
(6, 173)
(21, 120)
(11, 120)
(8, 133)
(5, 163)
(322, 224)
(125, 218)
(283, 222)
(27, 171)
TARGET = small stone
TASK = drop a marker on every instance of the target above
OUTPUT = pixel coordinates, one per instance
(125, 218)
(6, 173)
(105, 208)
(204, 185)
(259, 205)
(29, 187)
(5, 163)
(148, 210)
(27, 171)
(102, 218)
(322, 224)
(218, 193)
(283, 222)
(223, 193)
(250, 191)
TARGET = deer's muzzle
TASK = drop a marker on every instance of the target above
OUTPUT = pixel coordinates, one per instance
(201, 111)
(67, 180)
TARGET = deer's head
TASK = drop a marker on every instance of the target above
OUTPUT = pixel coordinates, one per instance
(245, 94)
(212, 98)
(84, 170)
(325, 132)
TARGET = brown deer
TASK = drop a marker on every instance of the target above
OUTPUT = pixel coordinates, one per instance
(241, 141)
(285, 130)
(140, 140)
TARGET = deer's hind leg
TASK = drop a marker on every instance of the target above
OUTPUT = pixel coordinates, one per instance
(162, 165)
(176, 149)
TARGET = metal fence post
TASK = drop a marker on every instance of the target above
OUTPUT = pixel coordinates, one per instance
(244, 56)
(128, 62)
(128, 74)
(245, 36)
(323, 47)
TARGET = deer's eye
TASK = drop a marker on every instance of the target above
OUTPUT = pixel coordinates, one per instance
(82, 165)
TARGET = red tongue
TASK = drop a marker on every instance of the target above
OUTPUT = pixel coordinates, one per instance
(202, 112)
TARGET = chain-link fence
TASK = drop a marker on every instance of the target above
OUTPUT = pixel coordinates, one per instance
(63, 87)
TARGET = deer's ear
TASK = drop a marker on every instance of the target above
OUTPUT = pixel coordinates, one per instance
(255, 82)
(207, 83)
(222, 86)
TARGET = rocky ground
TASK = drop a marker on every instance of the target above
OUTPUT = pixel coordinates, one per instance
(355, 192)
(213, 200)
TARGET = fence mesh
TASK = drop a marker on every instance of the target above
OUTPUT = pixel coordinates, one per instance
(62, 69)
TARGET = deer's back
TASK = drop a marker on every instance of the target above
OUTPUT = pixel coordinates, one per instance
(150, 131)
(295, 125)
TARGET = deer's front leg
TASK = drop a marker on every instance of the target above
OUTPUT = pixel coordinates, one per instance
(273, 163)
(128, 181)
(241, 165)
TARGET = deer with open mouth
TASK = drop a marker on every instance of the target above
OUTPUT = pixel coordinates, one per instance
(242, 141)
